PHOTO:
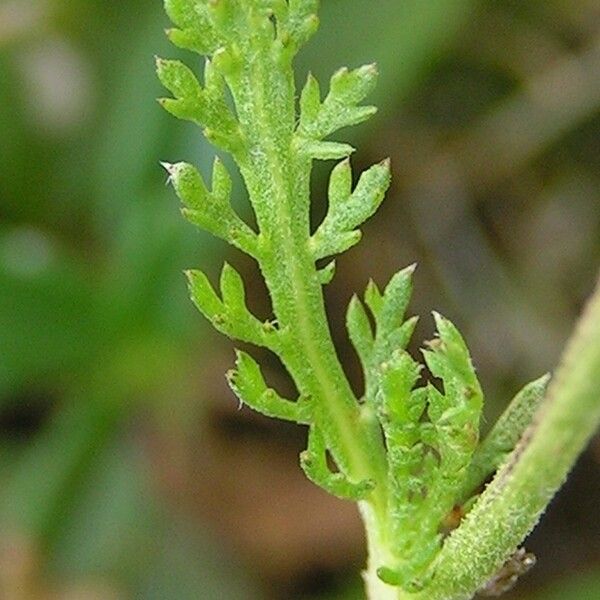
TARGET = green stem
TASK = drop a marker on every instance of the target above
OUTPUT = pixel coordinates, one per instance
(513, 503)
(378, 555)
(281, 199)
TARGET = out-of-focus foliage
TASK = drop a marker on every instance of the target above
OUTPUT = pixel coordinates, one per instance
(582, 587)
(110, 446)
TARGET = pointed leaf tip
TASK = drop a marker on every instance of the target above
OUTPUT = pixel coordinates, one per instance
(167, 166)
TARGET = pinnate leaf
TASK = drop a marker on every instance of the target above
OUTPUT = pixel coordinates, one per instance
(340, 107)
(248, 384)
(348, 211)
(211, 211)
(229, 314)
(314, 463)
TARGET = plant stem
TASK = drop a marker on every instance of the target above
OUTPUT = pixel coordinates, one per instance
(378, 555)
(513, 503)
(281, 199)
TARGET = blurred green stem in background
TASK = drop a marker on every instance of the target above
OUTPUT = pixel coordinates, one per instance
(512, 504)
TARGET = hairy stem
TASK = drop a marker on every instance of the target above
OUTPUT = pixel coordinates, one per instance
(378, 555)
(281, 199)
(513, 503)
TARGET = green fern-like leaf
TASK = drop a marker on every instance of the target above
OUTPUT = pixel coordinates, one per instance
(407, 450)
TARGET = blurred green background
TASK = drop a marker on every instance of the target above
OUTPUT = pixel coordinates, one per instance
(126, 470)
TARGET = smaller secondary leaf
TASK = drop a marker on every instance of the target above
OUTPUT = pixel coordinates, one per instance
(302, 23)
(360, 332)
(212, 210)
(398, 377)
(310, 101)
(197, 31)
(188, 183)
(351, 87)
(391, 333)
(448, 358)
(505, 434)
(204, 296)
(221, 183)
(224, 15)
(232, 291)
(177, 78)
(248, 384)
(336, 243)
(241, 323)
(206, 107)
(340, 184)
(187, 13)
(314, 463)
(373, 298)
(325, 150)
(396, 297)
(229, 314)
(190, 39)
(327, 273)
(340, 107)
(349, 210)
